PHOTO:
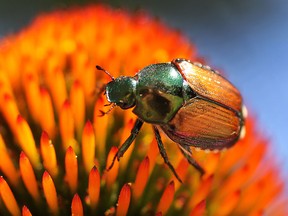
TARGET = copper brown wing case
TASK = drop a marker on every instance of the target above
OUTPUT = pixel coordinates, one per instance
(211, 120)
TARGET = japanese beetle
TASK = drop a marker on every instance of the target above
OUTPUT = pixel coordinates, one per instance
(192, 104)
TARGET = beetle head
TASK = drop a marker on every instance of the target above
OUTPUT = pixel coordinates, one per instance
(121, 91)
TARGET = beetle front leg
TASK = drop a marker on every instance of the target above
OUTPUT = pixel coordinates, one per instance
(164, 153)
(123, 148)
(186, 151)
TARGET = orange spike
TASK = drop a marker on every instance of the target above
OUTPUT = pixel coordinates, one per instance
(211, 163)
(57, 87)
(50, 192)
(94, 187)
(2, 143)
(48, 155)
(181, 170)
(66, 124)
(8, 198)
(28, 177)
(76, 206)
(78, 105)
(112, 174)
(256, 156)
(5, 85)
(100, 125)
(202, 192)
(31, 87)
(27, 142)
(10, 111)
(81, 62)
(234, 181)
(166, 198)
(88, 83)
(235, 154)
(88, 146)
(47, 121)
(274, 187)
(7, 166)
(153, 152)
(248, 201)
(199, 209)
(26, 211)
(228, 203)
(124, 200)
(141, 178)
(125, 133)
(71, 168)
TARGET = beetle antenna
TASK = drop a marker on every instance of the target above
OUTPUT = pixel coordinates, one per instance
(105, 71)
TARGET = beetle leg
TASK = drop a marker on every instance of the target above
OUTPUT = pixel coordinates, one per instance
(186, 151)
(164, 153)
(123, 148)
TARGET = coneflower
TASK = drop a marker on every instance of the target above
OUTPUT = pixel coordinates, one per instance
(55, 147)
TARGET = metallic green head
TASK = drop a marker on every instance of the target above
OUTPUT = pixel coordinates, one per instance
(121, 91)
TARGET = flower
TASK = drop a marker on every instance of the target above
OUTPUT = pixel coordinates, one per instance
(55, 147)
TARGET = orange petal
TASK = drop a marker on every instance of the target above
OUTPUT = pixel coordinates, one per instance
(181, 170)
(76, 206)
(71, 168)
(50, 192)
(31, 87)
(228, 203)
(199, 209)
(7, 165)
(78, 105)
(47, 120)
(124, 200)
(81, 61)
(8, 198)
(57, 86)
(10, 111)
(141, 178)
(94, 187)
(166, 198)
(201, 192)
(48, 155)
(26, 211)
(27, 142)
(28, 177)
(66, 124)
(88, 146)
(100, 126)
(153, 152)
(112, 174)
(234, 181)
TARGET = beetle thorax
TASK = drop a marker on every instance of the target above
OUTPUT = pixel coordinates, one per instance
(121, 91)
(159, 93)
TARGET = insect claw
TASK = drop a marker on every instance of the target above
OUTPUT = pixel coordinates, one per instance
(102, 113)
(178, 178)
(113, 161)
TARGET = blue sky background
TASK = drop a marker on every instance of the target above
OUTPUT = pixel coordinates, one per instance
(247, 39)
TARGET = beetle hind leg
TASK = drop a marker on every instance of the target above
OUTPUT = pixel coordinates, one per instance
(164, 153)
(186, 151)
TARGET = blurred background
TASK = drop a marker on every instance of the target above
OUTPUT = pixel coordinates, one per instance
(247, 39)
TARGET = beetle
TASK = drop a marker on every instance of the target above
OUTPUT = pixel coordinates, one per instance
(192, 104)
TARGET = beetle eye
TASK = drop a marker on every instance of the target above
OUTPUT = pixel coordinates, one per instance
(126, 104)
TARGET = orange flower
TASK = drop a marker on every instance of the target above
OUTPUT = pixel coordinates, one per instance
(51, 132)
